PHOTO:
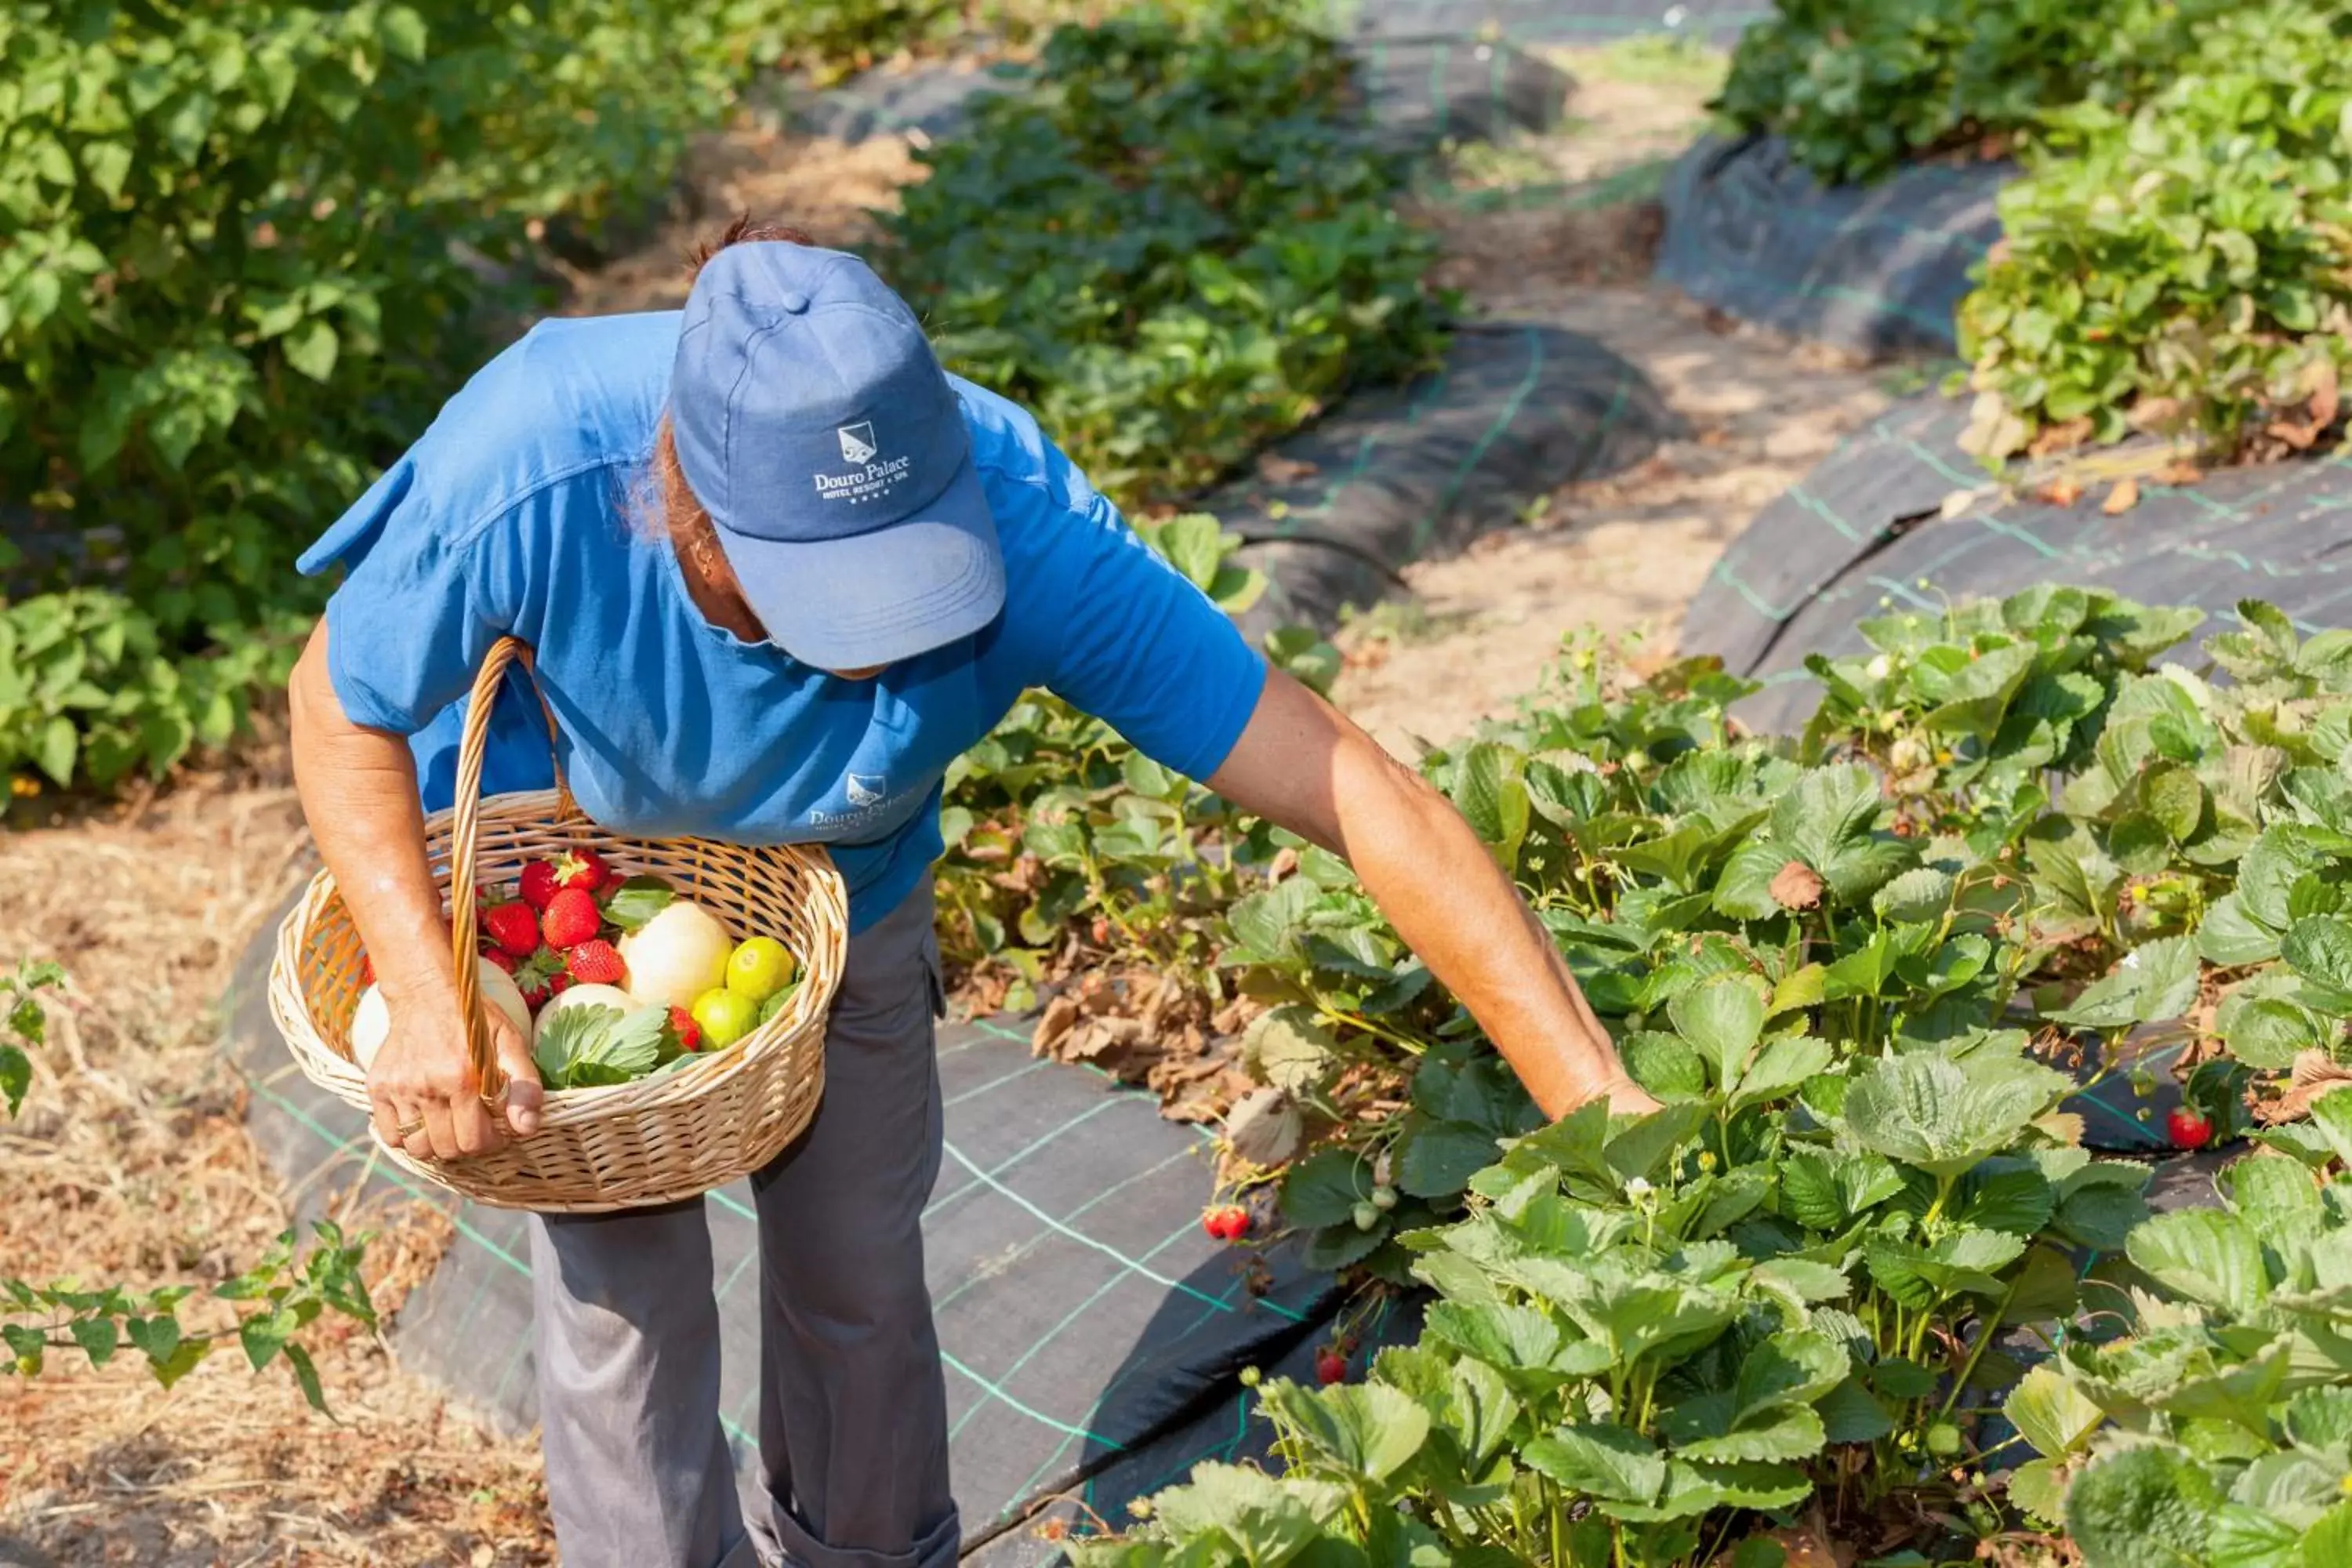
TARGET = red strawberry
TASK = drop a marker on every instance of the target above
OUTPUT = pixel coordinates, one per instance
(2188, 1129)
(572, 918)
(539, 883)
(558, 983)
(535, 977)
(1330, 1367)
(688, 1032)
(582, 869)
(502, 958)
(512, 927)
(595, 963)
(1229, 1223)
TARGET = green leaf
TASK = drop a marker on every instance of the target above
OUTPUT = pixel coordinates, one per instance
(2050, 1413)
(98, 1338)
(1935, 1114)
(1268, 1519)
(1367, 1429)
(580, 1047)
(1744, 889)
(55, 750)
(1664, 1065)
(2142, 1508)
(1722, 1018)
(306, 1375)
(264, 1334)
(403, 33)
(1492, 797)
(2210, 1257)
(1923, 893)
(639, 901)
(1436, 1160)
(1826, 1192)
(1782, 1067)
(1852, 1414)
(1782, 1432)
(2172, 796)
(1324, 1189)
(1603, 1461)
(2319, 948)
(16, 1076)
(2151, 984)
(312, 348)
(1516, 1339)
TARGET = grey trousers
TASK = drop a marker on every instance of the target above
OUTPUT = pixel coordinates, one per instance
(853, 1403)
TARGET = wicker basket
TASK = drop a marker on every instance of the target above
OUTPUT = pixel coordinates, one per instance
(656, 1140)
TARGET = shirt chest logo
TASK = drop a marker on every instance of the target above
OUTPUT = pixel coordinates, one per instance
(865, 789)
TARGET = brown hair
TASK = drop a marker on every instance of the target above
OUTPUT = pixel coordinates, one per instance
(666, 507)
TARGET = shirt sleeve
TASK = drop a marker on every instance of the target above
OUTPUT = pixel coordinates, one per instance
(423, 598)
(1137, 646)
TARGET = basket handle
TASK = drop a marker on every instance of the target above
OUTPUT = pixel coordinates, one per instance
(472, 748)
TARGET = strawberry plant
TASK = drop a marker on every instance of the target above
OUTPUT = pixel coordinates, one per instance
(1649, 1333)
(1179, 246)
(1861, 86)
(2178, 265)
(269, 1303)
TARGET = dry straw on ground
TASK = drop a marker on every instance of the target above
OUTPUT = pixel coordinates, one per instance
(132, 1164)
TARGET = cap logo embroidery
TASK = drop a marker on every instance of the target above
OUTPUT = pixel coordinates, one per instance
(857, 442)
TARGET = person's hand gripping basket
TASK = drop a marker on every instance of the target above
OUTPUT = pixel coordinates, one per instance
(673, 1135)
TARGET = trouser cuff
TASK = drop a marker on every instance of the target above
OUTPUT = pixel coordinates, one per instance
(800, 1549)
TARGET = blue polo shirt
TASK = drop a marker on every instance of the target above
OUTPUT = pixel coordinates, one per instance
(517, 512)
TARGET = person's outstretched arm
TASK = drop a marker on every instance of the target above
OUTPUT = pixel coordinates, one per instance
(1302, 764)
(358, 787)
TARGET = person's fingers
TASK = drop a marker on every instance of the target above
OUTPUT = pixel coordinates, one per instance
(440, 1130)
(412, 1134)
(524, 1097)
(475, 1126)
(388, 1118)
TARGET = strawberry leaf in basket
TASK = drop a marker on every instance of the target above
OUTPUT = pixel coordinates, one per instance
(637, 901)
(580, 1047)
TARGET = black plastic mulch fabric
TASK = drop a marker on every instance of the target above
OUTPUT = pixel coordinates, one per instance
(1561, 22)
(1862, 534)
(1417, 91)
(1081, 1310)
(1517, 410)
(1226, 1426)
(1876, 269)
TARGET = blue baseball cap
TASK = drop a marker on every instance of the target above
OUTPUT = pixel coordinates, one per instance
(815, 425)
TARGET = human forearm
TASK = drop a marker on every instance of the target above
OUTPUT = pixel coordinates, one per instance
(1301, 764)
(358, 789)
(1438, 885)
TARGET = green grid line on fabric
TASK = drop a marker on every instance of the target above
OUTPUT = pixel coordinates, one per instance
(1119, 1277)
(1181, 1287)
(1102, 1397)
(949, 1298)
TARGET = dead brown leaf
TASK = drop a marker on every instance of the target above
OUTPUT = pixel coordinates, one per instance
(1796, 886)
(2123, 498)
(1277, 469)
(2061, 491)
(2063, 436)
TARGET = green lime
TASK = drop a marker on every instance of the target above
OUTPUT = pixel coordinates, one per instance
(724, 1017)
(759, 968)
